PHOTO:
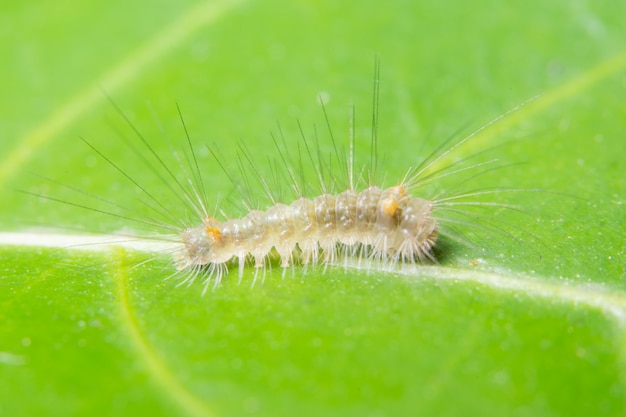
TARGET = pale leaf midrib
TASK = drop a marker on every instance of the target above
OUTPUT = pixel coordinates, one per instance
(607, 300)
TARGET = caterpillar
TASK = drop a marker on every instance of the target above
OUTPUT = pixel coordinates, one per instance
(390, 224)
(383, 224)
(394, 225)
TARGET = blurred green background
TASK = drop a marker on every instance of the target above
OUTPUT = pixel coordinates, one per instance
(533, 326)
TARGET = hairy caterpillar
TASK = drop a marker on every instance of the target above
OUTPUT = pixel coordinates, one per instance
(364, 219)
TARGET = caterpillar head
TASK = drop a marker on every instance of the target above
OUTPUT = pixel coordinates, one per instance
(200, 243)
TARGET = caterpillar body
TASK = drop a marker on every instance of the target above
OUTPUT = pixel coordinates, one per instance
(388, 225)
(394, 225)
(364, 219)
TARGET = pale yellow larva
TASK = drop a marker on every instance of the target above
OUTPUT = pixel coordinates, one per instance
(390, 225)
(394, 225)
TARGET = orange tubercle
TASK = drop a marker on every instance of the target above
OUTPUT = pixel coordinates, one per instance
(390, 206)
(213, 232)
(211, 228)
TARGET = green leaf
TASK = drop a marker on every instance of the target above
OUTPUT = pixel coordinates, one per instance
(526, 321)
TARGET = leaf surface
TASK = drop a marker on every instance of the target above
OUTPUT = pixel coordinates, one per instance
(528, 320)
